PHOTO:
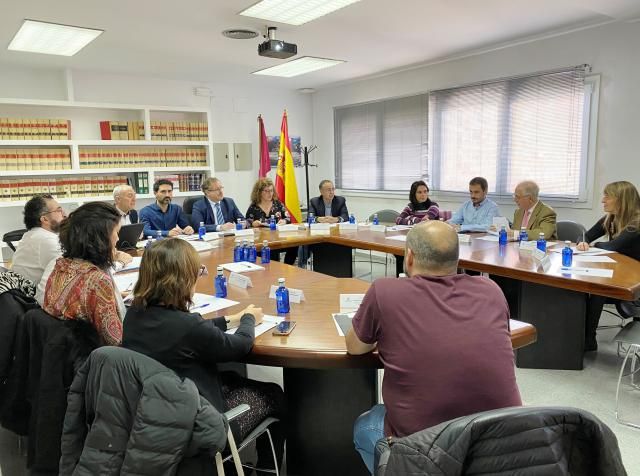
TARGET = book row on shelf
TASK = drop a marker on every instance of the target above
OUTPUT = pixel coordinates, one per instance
(179, 130)
(140, 182)
(61, 187)
(35, 159)
(184, 182)
(96, 158)
(121, 130)
(12, 128)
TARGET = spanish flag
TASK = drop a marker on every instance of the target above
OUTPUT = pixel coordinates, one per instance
(286, 187)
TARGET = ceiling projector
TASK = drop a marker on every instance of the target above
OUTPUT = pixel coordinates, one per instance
(273, 48)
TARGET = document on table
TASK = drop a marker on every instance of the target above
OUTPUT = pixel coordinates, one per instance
(591, 251)
(399, 227)
(488, 238)
(135, 264)
(268, 322)
(397, 237)
(209, 236)
(205, 304)
(201, 245)
(595, 272)
(593, 259)
(242, 267)
(343, 322)
(125, 282)
(515, 325)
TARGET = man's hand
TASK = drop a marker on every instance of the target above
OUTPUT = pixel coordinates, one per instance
(227, 226)
(175, 231)
(256, 223)
(188, 231)
(234, 319)
(327, 219)
(582, 246)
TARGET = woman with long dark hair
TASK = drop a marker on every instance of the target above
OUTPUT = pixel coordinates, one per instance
(420, 207)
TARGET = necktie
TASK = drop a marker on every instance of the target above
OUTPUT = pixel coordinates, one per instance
(525, 219)
(219, 217)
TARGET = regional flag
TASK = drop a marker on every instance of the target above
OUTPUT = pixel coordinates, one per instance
(286, 187)
(265, 161)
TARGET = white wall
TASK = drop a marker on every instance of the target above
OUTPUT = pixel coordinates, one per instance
(234, 114)
(612, 51)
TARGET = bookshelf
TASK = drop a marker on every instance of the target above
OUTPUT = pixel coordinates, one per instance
(84, 155)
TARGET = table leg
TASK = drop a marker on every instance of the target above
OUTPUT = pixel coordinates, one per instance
(322, 406)
(334, 260)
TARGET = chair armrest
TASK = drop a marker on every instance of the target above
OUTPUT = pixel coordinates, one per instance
(237, 411)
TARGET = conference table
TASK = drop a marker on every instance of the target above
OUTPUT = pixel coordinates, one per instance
(326, 388)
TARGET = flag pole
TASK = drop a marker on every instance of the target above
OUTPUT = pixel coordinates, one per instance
(306, 169)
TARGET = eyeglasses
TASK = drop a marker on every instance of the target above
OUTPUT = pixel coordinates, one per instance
(59, 210)
(518, 197)
(219, 189)
(203, 271)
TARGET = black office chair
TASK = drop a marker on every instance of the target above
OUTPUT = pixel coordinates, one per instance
(187, 207)
(570, 230)
(11, 236)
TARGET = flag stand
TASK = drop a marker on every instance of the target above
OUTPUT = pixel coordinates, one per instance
(306, 169)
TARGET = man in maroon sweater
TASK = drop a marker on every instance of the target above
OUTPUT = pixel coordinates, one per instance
(443, 338)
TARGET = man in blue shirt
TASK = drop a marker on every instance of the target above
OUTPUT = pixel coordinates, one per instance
(477, 213)
(164, 215)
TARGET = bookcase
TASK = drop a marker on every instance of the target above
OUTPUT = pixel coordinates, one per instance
(57, 147)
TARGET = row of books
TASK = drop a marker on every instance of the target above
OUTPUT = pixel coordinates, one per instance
(60, 187)
(13, 128)
(96, 158)
(161, 130)
(122, 130)
(141, 182)
(184, 182)
(35, 159)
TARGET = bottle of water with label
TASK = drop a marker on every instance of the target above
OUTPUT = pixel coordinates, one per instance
(376, 221)
(502, 236)
(567, 255)
(239, 224)
(202, 230)
(253, 252)
(265, 254)
(311, 218)
(541, 244)
(220, 284)
(282, 298)
(149, 242)
(352, 219)
(245, 250)
(523, 234)
(272, 223)
(237, 251)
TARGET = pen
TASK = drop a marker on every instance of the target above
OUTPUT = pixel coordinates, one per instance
(583, 236)
(200, 306)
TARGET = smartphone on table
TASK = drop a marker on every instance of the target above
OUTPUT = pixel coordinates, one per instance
(284, 328)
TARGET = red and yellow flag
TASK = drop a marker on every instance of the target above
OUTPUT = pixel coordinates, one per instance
(286, 186)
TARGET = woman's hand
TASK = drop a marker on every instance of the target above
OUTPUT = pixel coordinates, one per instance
(582, 246)
(256, 224)
(282, 222)
(234, 319)
(122, 257)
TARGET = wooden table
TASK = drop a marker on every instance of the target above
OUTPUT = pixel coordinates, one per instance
(326, 388)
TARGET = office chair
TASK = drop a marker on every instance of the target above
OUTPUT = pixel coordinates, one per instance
(11, 236)
(187, 208)
(570, 230)
(630, 336)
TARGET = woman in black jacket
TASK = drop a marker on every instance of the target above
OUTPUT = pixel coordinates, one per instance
(621, 226)
(159, 325)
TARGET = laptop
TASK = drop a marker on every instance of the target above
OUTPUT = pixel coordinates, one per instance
(129, 236)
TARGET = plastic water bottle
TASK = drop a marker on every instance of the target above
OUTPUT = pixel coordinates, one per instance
(282, 298)
(253, 252)
(311, 218)
(352, 219)
(220, 284)
(272, 223)
(245, 250)
(158, 235)
(523, 234)
(375, 219)
(265, 254)
(502, 236)
(149, 242)
(237, 251)
(202, 230)
(567, 255)
(541, 244)
(239, 224)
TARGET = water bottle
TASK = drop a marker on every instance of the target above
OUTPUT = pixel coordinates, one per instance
(352, 219)
(523, 234)
(239, 224)
(158, 235)
(541, 244)
(265, 254)
(253, 252)
(245, 250)
(272, 223)
(221, 284)
(282, 298)
(502, 250)
(375, 219)
(149, 242)
(237, 251)
(202, 230)
(502, 236)
(311, 218)
(567, 254)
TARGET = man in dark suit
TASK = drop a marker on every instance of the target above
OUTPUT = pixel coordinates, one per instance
(124, 199)
(219, 213)
(328, 207)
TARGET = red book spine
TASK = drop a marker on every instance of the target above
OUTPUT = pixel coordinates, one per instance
(105, 130)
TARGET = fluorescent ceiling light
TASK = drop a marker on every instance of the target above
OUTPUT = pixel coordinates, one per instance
(294, 12)
(303, 65)
(51, 38)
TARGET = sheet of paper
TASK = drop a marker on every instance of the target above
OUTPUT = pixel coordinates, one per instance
(397, 237)
(591, 251)
(268, 323)
(242, 267)
(399, 227)
(499, 222)
(201, 245)
(343, 322)
(595, 272)
(515, 325)
(205, 304)
(125, 282)
(593, 259)
(350, 302)
(135, 264)
(488, 238)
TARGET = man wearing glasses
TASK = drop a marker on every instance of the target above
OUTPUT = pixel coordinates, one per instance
(219, 213)
(532, 214)
(40, 244)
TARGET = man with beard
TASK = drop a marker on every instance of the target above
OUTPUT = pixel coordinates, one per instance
(163, 215)
(477, 213)
(40, 244)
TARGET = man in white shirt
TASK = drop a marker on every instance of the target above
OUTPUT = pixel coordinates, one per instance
(124, 199)
(40, 244)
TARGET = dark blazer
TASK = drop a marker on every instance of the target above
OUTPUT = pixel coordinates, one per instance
(338, 207)
(202, 211)
(133, 215)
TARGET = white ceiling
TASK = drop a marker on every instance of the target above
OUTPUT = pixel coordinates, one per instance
(182, 40)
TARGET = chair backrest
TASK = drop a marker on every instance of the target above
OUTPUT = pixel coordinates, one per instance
(11, 236)
(570, 230)
(386, 216)
(187, 205)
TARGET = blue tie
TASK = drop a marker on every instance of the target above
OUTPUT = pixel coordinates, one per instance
(219, 216)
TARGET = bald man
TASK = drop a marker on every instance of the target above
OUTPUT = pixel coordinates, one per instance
(443, 338)
(532, 213)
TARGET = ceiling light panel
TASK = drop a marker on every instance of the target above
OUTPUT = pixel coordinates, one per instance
(52, 38)
(294, 12)
(299, 66)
